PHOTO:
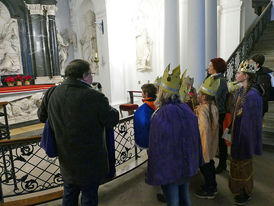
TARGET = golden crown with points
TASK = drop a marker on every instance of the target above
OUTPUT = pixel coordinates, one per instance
(233, 86)
(171, 82)
(184, 89)
(210, 86)
(158, 81)
(247, 67)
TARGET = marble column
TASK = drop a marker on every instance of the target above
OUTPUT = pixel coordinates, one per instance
(39, 40)
(230, 26)
(25, 46)
(211, 30)
(193, 39)
(171, 37)
(53, 46)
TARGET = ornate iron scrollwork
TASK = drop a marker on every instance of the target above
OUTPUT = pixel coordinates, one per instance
(247, 44)
(25, 168)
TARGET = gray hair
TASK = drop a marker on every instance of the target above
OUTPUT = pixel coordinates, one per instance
(163, 97)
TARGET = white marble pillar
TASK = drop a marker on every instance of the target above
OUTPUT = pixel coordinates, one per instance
(230, 26)
(172, 36)
(193, 39)
(184, 35)
(211, 30)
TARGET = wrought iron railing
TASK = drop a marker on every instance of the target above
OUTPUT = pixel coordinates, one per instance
(25, 168)
(247, 44)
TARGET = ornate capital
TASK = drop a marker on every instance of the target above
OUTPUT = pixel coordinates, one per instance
(51, 9)
(35, 9)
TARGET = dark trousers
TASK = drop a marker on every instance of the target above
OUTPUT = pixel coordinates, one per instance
(177, 194)
(89, 194)
(222, 144)
(208, 171)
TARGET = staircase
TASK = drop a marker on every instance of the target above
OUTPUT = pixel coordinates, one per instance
(265, 46)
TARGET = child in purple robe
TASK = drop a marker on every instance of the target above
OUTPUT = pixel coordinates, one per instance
(174, 154)
(246, 133)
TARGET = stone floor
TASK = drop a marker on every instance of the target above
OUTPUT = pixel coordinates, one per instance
(131, 190)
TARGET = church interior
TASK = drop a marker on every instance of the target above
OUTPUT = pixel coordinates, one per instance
(128, 44)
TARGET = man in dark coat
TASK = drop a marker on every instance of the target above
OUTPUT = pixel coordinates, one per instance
(78, 116)
(263, 78)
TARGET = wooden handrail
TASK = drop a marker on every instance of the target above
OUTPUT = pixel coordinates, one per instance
(35, 200)
(23, 140)
(3, 103)
(5, 142)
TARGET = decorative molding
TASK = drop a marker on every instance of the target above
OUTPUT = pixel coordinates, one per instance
(35, 9)
(39, 9)
(231, 5)
(51, 9)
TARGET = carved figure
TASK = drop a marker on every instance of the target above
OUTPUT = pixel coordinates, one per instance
(143, 51)
(89, 40)
(63, 47)
(10, 62)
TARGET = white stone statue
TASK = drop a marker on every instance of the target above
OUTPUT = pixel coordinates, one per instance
(63, 48)
(70, 36)
(89, 40)
(10, 56)
(143, 51)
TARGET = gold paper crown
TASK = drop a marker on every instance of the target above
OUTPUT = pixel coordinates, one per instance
(210, 86)
(247, 67)
(171, 82)
(183, 92)
(233, 86)
(158, 81)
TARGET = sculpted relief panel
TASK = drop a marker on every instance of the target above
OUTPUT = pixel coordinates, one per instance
(24, 109)
(10, 57)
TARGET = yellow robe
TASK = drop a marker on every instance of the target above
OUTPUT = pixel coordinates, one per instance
(209, 133)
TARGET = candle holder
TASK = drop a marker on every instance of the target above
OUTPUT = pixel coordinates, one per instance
(96, 59)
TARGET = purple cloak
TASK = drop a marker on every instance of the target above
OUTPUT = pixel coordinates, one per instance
(174, 144)
(247, 131)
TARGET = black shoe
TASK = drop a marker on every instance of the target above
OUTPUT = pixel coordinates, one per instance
(203, 194)
(214, 191)
(220, 168)
(241, 199)
(161, 198)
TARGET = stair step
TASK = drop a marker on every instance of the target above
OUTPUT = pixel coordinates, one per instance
(269, 32)
(265, 41)
(265, 51)
(264, 47)
(269, 130)
(269, 61)
(270, 26)
(267, 141)
(269, 58)
(267, 37)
